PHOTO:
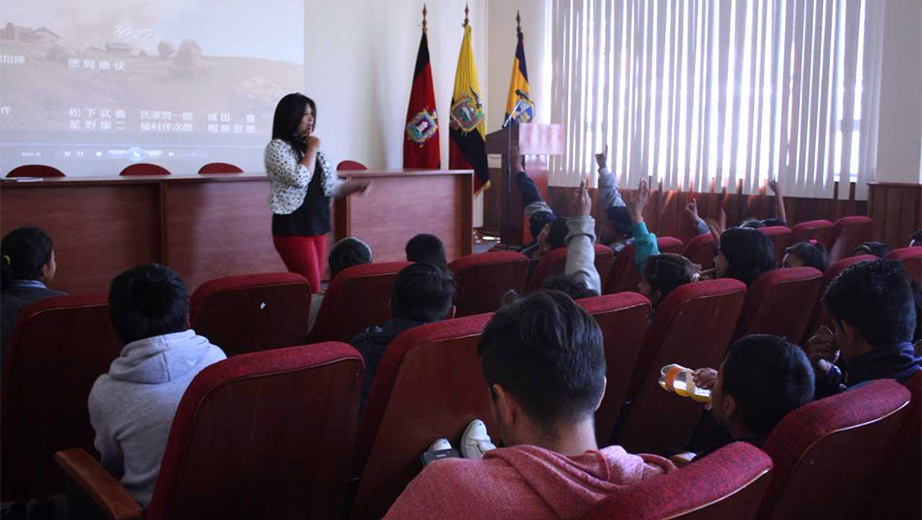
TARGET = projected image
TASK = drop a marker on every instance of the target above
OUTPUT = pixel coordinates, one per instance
(138, 80)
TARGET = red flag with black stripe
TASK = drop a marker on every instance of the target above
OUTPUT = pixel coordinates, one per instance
(421, 134)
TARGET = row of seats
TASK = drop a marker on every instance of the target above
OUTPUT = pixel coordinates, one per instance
(42, 170)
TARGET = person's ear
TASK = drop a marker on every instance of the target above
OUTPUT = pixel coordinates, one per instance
(507, 409)
(601, 397)
(729, 403)
(655, 296)
(451, 313)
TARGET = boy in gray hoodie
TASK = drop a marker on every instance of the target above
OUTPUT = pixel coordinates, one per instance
(132, 407)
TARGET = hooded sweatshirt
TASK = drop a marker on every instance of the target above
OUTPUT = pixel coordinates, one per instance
(523, 482)
(132, 407)
(372, 343)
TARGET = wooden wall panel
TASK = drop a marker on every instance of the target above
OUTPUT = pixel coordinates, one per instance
(896, 210)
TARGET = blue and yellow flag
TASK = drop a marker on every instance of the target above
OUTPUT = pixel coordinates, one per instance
(519, 106)
(467, 130)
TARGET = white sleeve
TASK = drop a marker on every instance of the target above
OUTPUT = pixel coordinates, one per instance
(282, 165)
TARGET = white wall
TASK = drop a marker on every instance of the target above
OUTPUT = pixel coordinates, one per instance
(899, 145)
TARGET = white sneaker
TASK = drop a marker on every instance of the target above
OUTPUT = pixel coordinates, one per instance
(475, 441)
(439, 445)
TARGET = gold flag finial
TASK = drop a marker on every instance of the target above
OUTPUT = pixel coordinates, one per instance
(518, 22)
(424, 17)
(466, 11)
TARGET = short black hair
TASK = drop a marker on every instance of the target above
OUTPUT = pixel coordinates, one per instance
(768, 377)
(667, 272)
(749, 253)
(148, 301)
(916, 236)
(620, 220)
(917, 301)
(753, 224)
(538, 220)
(426, 248)
(547, 352)
(570, 284)
(348, 252)
(876, 298)
(878, 249)
(25, 252)
(771, 222)
(557, 236)
(812, 255)
(422, 292)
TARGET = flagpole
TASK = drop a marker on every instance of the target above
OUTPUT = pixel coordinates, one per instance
(424, 18)
(466, 11)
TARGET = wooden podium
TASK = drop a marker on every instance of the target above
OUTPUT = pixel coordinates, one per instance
(536, 142)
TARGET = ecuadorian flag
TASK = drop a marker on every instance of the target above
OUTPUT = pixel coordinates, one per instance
(519, 106)
(467, 131)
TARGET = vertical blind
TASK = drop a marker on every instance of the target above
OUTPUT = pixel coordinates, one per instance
(708, 94)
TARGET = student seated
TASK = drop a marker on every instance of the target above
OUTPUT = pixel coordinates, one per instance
(762, 379)
(664, 273)
(426, 248)
(581, 278)
(348, 252)
(422, 293)
(544, 364)
(132, 406)
(874, 315)
(743, 254)
(915, 240)
(806, 254)
(878, 249)
(27, 267)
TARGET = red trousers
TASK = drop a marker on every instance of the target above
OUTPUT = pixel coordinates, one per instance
(303, 255)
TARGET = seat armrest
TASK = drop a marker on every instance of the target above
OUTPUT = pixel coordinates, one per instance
(105, 490)
(683, 459)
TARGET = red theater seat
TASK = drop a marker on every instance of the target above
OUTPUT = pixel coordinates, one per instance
(144, 169)
(351, 166)
(623, 320)
(847, 234)
(429, 385)
(483, 279)
(911, 258)
(624, 273)
(726, 485)
(555, 262)
(701, 250)
(781, 239)
(779, 302)
(358, 297)
(59, 347)
(220, 167)
(252, 312)
(818, 230)
(35, 170)
(692, 327)
(828, 454)
(819, 317)
(262, 435)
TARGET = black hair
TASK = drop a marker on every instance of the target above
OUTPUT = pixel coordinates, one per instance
(768, 377)
(876, 298)
(348, 252)
(538, 220)
(25, 251)
(771, 222)
(422, 292)
(557, 237)
(812, 255)
(570, 284)
(752, 224)
(916, 237)
(287, 119)
(426, 248)
(878, 249)
(547, 352)
(620, 220)
(668, 271)
(148, 301)
(749, 253)
(917, 301)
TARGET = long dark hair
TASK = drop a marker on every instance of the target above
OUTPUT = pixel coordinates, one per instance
(288, 114)
(749, 252)
(25, 251)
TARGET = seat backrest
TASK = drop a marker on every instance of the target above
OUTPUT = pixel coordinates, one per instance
(624, 273)
(701, 250)
(483, 279)
(781, 239)
(827, 454)
(144, 169)
(819, 316)
(351, 166)
(911, 258)
(58, 348)
(847, 234)
(220, 167)
(263, 435)
(818, 230)
(779, 302)
(726, 485)
(623, 320)
(429, 385)
(35, 170)
(252, 312)
(692, 327)
(555, 262)
(358, 297)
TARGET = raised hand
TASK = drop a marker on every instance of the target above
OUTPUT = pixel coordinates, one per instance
(776, 188)
(637, 200)
(602, 158)
(583, 200)
(692, 209)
